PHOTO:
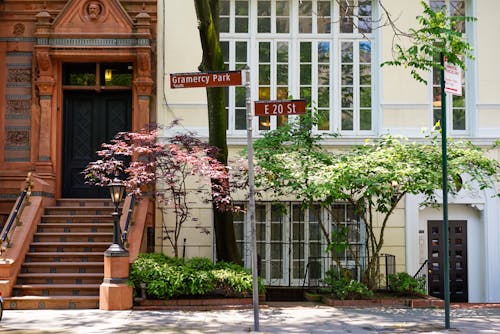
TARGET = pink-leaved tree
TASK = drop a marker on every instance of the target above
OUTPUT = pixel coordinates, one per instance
(168, 169)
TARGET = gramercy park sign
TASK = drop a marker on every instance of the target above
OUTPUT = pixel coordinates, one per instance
(209, 79)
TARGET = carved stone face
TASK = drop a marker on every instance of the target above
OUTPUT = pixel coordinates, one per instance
(93, 9)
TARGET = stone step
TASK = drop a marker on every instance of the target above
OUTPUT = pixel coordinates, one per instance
(80, 227)
(51, 302)
(60, 278)
(69, 246)
(56, 290)
(78, 210)
(74, 202)
(73, 237)
(62, 267)
(70, 219)
(64, 257)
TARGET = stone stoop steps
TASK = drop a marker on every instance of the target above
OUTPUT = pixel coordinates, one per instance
(64, 266)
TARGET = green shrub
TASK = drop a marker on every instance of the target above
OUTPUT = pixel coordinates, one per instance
(342, 286)
(167, 277)
(407, 285)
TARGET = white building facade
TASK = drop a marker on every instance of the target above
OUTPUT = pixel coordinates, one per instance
(329, 52)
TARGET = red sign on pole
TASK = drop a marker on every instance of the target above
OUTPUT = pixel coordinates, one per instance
(209, 79)
(280, 107)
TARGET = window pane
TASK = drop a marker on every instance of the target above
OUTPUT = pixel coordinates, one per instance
(224, 9)
(323, 120)
(324, 17)
(347, 75)
(264, 52)
(240, 119)
(241, 52)
(264, 123)
(346, 52)
(305, 74)
(323, 52)
(264, 16)
(282, 93)
(305, 17)
(365, 50)
(323, 97)
(365, 97)
(282, 17)
(365, 121)
(346, 97)
(225, 51)
(365, 76)
(264, 93)
(81, 74)
(264, 74)
(305, 52)
(323, 75)
(241, 25)
(305, 93)
(264, 25)
(459, 119)
(347, 120)
(282, 52)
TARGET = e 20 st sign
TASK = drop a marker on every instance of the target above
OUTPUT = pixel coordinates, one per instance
(209, 79)
(280, 107)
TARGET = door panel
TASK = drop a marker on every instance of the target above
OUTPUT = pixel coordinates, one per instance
(90, 119)
(457, 259)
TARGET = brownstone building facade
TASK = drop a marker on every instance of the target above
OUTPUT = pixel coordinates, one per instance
(72, 74)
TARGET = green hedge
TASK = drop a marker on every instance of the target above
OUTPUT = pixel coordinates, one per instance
(167, 277)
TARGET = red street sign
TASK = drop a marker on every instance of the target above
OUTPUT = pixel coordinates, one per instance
(280, 107)
(209, 79)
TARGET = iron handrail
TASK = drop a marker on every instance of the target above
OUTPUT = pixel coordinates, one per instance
(128, 220)
(420, 269)
(15, 213)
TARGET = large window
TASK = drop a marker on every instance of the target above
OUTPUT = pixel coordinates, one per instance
(315, 50)
(456, 105)
(291, 246)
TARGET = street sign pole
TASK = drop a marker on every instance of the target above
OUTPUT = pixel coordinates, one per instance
(446, 254)
(251, 201)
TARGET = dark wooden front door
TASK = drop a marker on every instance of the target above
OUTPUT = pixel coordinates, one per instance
(90, 119)
(458, 260)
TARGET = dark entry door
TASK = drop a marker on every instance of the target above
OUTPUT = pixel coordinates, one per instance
(458, 260)
(90, 119)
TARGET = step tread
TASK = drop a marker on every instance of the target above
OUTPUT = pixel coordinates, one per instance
(55, 275)
(65, 243)
(65, 253)
(62, 264)
(76, 216)
(72, 233)
(50, 224)
(30, 297)
(57, 286)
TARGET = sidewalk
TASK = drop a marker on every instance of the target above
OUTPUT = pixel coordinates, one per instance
(275, 318)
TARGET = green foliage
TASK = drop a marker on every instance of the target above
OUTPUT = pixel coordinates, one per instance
(407, 285)
(167, 277)
(342, 286)
(373, 177)
(438, 34)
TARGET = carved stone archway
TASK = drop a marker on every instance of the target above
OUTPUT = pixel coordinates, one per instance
(91, 31)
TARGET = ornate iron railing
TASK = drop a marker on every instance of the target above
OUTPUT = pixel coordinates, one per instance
(128, 220)
(16, 212)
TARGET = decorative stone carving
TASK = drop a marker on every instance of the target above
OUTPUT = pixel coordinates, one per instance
(17, 138)
(43, 60)
(93, 9)
(19, 29)
(18, 107)
(19, 75)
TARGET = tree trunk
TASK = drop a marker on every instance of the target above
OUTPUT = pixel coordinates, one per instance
(207, 12)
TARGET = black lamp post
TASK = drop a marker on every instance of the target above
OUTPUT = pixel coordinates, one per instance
(116, 190)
